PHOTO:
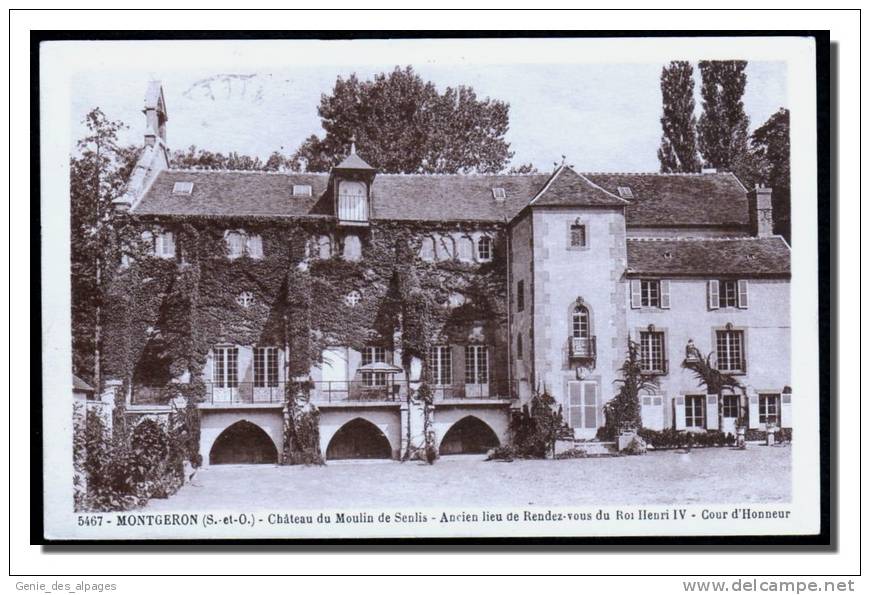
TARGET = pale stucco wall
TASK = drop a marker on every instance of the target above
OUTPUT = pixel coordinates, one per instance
(765, 323)
(213, 422)
(387, 419)
(561, 276)
(497, 417)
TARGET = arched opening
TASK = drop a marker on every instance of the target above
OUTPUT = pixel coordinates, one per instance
(243, 443)
(468, 436)
(359, 439)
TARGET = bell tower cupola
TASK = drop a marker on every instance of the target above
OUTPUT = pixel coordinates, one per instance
(351, 182)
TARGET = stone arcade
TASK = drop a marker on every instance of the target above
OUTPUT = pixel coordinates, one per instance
(533, 281)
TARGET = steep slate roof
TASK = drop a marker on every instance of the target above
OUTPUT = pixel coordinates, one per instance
(353, 161)
(394, 197)
(229, 193)
(669, 200)
(568, 188)
(749, 257)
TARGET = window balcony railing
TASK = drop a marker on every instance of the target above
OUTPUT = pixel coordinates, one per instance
(501, 390)
(582, 347)
(349, 391)
(388, 389)
(244, 393)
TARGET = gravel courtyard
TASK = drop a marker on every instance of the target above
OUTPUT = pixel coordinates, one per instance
(716, 475)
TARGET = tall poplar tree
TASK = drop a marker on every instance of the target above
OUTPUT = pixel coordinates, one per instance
(723, 129)
(678, 152)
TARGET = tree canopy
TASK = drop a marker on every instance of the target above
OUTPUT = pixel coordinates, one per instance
(723, 127)
(98, 174)
(403, 124)
(678, 152)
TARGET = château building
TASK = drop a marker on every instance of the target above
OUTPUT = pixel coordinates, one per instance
(360, 287)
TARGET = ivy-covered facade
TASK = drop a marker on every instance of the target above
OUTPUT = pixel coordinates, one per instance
(356, 314)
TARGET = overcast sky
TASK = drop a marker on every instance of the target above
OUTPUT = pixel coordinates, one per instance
(602, 117)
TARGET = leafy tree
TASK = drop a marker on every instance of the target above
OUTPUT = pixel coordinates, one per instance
(770, 144)
(403, 124)
(678, 151)
(98, 173)
(723, 126)
(193, 158)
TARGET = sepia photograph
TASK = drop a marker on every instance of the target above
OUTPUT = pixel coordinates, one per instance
(406, 289)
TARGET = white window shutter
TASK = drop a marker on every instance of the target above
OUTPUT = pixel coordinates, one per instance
(713, 294)
(148, 238)
(665, 293)
(785, 414)
(635, 293)
(742, 293)
(712, 412)
(680, 412)
(753, 411)
(575, 404)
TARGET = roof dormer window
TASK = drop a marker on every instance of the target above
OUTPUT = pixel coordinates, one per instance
(498, 193)
(301, 189)
(182, 188)
(625, 192)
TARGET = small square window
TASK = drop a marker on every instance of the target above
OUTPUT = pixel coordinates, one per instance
(182, 188)
(578, 235)
(498, 193)
(301, 189)
(625, 192)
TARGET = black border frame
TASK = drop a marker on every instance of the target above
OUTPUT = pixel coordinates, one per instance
(825, 540)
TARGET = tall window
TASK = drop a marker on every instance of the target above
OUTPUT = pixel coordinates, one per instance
(440, 366)
(650, 293)
(226, 367)
(652, 351)
(164, 244)
(484, 248)
(695, 406)
(519, 347)
(730, 406)
(265, 366)
(580, 322)
(476, 364)
(521, 296)
(768, 409)
(728, 296)
(583, 405)
(729, 351)
(371, 355)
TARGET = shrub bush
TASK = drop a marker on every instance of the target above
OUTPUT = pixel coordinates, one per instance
(760, 435)
(573, 453)
(671, 438)
(535, 430)
(501, 453)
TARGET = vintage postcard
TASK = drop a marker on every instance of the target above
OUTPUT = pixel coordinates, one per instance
(430, 288)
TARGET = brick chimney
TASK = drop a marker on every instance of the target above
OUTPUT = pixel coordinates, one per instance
(760, 211)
